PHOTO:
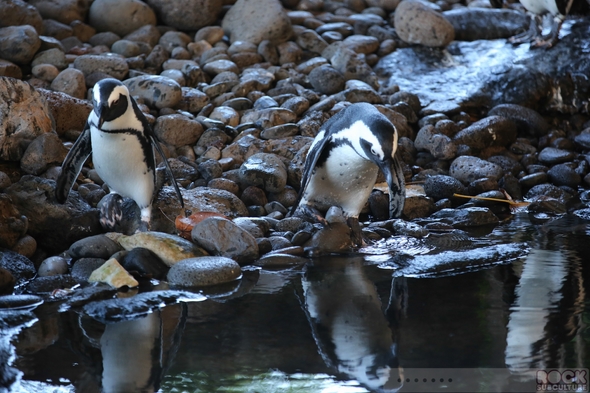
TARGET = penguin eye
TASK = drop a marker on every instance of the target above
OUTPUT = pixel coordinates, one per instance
(374, 152)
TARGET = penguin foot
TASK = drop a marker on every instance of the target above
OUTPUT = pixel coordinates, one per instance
(146, 216)
(356, 235)
(111, 211)
(310, 214)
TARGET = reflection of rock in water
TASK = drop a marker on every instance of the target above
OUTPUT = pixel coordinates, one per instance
(488, 73)
(349, 326)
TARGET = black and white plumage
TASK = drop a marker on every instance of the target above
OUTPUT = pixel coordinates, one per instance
(344, 160)
(122, 143)
(558, 9)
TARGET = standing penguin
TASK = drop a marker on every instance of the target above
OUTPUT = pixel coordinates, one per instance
(558, 9)
(122, 145)
(343, 162)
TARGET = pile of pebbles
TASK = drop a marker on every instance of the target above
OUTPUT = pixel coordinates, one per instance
(236, 91)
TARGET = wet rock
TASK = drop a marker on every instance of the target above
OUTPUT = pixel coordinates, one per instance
(533, 179)
(112, 310)
(257, 227)
(278, 260)
(486, 24)
(192, 15)
(19, 44)
(44, 151)
(439, 145)
(83, 268)
(97, 246)
(466, 217)
(26, 116)
(55, 226)
(546, 205)
(169, 248)
(553, 156)
(564, 175)
(157, 91)
(68, 112)
(7, 282)
(527, 119)
(18, 265)
(406, 228)
(265, 170)
(111, 65)
(223, 237)
(13, 225)
(548, 190)
(418, 206)
(206, 199)
(44, 286)
(144, 262)
(441, 186)
(112, 273)
(178, 130)
(53, 266)
(120, 17)
(204, 271)
(331, 239)
(490, 131)
(468, 168)
(417, 23)
(257, 21)
(19, 13)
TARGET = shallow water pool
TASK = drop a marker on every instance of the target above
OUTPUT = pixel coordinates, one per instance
(484, 312)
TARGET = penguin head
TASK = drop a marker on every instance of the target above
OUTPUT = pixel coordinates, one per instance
(112, 105)
(378, 142)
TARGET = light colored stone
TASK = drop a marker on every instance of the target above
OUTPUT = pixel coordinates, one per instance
(222, 237)
(120, 16)
(113, 274)
(417, 23)
(203, 271)
(257, 20)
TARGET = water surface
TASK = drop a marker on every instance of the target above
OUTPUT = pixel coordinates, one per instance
(377, 321)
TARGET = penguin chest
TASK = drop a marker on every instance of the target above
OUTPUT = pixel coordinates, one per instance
(120, 160)
(345, 179)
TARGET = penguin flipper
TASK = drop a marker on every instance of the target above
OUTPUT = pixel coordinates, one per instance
(72, 164)
(156, 143)
(311, 160)
(397, 189)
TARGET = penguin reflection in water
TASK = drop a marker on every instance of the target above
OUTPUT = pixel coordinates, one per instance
(343, 162)
(122, 145)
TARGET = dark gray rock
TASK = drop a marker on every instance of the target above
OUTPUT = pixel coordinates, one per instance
(53, 266)
(55, 226)
(326, 80)
(467, 217)
(203, 271)
(490, 131)
(266, 170)
(564, 175)
(97, 246)
(7, 282)
(468, 168)
(145, 262)
(472, 24)
(19, 44)
(84, 267)
(122, 309)
(44, 286)
(528, 120)
(552, 156)
(441, 186)
(18, 265)
(222, 237)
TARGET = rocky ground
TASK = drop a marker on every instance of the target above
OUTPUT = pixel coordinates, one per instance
(236, 91)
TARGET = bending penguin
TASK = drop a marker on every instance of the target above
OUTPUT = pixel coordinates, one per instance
(122, 143)
(344, 160)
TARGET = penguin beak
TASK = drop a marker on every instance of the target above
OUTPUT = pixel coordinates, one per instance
(394, 177)
(99, 110)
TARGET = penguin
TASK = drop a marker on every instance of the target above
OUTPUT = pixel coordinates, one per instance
(122, 143)
(343, 162)
(558, 9)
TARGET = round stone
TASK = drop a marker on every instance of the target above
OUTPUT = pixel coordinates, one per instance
(120, 16)
(53, 266)
(203, 271)
(417, 23)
